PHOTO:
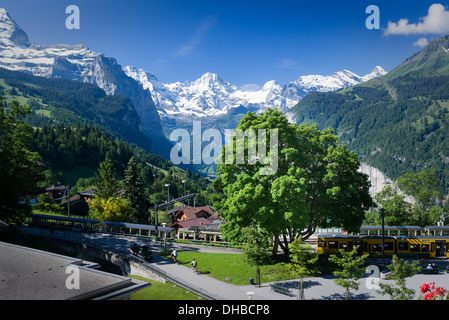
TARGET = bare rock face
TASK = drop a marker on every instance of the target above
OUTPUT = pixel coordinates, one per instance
(76, 62)
(379, 181)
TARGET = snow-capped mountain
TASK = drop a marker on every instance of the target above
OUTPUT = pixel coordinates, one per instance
(211, 96)
(339, 80)
(74, 62)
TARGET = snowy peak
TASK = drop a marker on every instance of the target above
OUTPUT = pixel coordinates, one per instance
(210, 95)
(336, 81)
(211, 82)
(377, 72)
(10, 33)
(74, 62)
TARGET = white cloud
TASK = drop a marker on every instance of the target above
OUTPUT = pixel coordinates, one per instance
(286, 63)
(436, 22)
(421, 42)
(198, 37)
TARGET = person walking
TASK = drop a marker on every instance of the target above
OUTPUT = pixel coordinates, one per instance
(174, 255)
(194, 263)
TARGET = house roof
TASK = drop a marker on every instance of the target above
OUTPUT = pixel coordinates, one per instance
(188, 211)
(190, 223)
(58, 187)
(89, 192)
(76, 198)
(136, 226)
(175, 210)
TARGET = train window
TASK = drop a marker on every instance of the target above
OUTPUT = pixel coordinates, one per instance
(321, 244)
(389, 245)
(376, 247)
(425, 248)
(333, 244)
(403, 246)
(344, 246)
(414, 247)
(357, 243)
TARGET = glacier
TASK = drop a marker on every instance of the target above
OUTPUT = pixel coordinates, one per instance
(211, 96)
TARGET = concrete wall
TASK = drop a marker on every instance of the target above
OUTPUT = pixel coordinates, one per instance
(124, 265)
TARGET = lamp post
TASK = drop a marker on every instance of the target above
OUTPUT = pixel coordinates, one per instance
(382, 214)
(165, 241)
(68, 201)
(168, 191)
(184, 182)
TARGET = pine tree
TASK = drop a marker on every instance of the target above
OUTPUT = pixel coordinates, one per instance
(105, 182)
(134, 191)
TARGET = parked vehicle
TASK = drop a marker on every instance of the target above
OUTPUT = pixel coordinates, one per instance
(141, 250)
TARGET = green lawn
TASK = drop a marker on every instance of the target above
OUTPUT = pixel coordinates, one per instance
(162, 291)
(226, 265)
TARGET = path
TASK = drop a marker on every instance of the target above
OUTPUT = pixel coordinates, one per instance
(320, 288)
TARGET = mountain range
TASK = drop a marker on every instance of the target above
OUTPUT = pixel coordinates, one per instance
(77, 62)
(212, 97)
(160, 107)
(398, 122)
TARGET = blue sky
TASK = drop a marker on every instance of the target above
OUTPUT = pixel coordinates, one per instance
(245, 41)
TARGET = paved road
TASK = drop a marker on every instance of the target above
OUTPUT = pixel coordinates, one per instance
(317, 288)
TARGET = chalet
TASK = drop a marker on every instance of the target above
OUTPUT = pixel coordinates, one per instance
(200, 222)
(197, 223)
(56, 192)
(79, 203)
(185, 213)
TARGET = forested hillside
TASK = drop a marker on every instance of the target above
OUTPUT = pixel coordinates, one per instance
(76, 152)
(54, 101)
(396, 123)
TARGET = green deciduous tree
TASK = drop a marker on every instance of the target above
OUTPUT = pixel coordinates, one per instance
(17, 162)
(303, 261)
(317, 182)
(400, 269)
(256, 250)
(424, 188)
(397, 210)
(351, 269)
(115, 209)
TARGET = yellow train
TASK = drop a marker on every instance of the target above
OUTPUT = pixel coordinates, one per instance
(405, 241)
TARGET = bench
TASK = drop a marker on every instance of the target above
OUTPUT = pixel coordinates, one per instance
(280, 289)
(432, 271)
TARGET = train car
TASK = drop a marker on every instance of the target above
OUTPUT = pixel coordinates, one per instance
(429, 242)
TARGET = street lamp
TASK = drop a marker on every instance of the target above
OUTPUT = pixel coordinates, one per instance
(382, 215)
(165, 241)
(168, 191)
(184, 182)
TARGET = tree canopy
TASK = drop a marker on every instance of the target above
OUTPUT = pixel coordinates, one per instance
(18, 163)
(317, 183)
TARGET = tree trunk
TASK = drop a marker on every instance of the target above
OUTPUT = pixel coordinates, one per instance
(300, 295)
(275, 246)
